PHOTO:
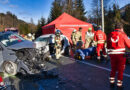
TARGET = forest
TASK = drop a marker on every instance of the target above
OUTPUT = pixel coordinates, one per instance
(76, 8)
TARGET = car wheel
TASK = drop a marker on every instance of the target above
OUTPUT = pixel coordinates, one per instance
(10, 68)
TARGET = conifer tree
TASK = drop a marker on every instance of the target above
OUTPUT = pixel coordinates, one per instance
(80, 10)
(56, 10)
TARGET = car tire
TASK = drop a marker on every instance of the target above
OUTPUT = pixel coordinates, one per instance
(10, 68)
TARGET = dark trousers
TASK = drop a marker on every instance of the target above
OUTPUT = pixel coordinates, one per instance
(51, 48)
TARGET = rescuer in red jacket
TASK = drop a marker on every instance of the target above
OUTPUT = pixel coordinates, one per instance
(116, 43)
(100, 38)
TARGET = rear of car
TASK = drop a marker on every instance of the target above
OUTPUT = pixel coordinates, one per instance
(43, 42)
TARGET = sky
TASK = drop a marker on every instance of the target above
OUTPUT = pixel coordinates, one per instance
(35, 9)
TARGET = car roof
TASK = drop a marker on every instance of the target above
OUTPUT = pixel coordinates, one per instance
(46, 36)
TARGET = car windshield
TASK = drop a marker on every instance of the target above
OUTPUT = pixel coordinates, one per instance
(40, 39)
(10, 39)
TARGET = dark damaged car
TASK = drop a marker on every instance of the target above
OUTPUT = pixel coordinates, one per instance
(17, 55)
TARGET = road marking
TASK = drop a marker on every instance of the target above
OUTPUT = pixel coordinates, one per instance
(127, 75)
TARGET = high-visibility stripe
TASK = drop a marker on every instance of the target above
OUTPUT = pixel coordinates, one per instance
(119, 83)
(105, 56)
(111, 78)
(116, 52)
(101, 41)
(112, 81)
(98, 57)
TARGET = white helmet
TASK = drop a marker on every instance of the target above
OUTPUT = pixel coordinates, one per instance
(29, 35)
(74, 30)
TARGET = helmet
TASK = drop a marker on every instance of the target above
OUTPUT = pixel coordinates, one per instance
(58, 32)
(74, 30)
(99, 27)
(90, 29)
(29, 35)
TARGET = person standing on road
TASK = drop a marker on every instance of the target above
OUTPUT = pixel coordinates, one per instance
(116, 43)
(88, 37)
(100, 38)
(73, 37)
(58, 44)
(79, 35)
(51, 44)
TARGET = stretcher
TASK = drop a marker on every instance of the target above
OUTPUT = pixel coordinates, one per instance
(82, 54)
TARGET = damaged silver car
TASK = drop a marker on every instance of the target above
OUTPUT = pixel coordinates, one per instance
(17, 55)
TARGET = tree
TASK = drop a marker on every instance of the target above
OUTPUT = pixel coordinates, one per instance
(41, 23)
(10, 20)
(79, 10)
(68, 6)
(116, 13)
(24, 28)
(56, 10)
(127, 14)
(127, 20)
(96, 10)
(31, 25)
(1, 18)
(113, 16)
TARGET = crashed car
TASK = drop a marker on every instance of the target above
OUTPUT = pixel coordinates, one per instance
(16, 54)
(43, 42)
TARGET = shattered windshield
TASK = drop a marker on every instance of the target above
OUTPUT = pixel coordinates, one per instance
(10, 39)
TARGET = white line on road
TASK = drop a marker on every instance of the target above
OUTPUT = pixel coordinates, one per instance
(127, 75)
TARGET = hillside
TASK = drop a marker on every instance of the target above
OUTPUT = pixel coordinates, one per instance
(11, 20)
(123, 9)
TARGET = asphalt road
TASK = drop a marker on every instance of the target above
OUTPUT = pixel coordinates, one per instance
(72, 75)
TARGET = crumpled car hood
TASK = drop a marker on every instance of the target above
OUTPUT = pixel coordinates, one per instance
(21, 45)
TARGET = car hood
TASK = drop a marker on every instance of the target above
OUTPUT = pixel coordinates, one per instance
(40, 44)
(21, 45)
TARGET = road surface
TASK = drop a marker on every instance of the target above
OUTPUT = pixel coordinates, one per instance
(72, 75)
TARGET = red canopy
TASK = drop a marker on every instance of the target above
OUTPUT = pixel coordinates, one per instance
(66, 24)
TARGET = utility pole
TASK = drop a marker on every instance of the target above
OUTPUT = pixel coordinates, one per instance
(102, 8)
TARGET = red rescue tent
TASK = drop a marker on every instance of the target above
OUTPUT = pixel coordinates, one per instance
(66, 24)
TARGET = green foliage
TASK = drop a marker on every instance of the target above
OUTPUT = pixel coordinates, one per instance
(9, 20)
(127, 14)
(116, 13)
(127, 29)
(24, 28)
(41, 23)
(127, 20)
(56, 10)
(80, 10)
(113, 16)
(72, 7)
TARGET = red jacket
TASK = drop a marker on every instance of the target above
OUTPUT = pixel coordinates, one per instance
(100, 36)
(117, 41)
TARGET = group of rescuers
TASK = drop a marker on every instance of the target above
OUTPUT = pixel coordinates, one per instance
(116, 42)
